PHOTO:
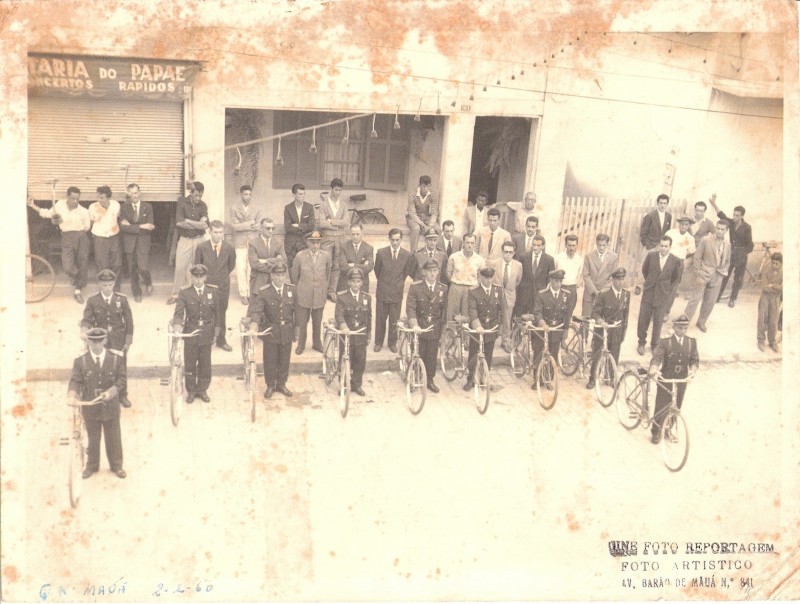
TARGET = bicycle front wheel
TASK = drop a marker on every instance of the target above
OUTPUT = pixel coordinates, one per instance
(404, 348)
(40, 278)
(329, 360)
(449, 354)
(674, 441)
(605, 380)
(629, 399)
(77, 459)
(547, 382)
(251, 387)
(482, 388)
(344, 387)
(416, 382)
(176, 394)
(520, 352)
(571, 354)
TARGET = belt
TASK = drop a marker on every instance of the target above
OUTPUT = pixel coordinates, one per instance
(281, 323)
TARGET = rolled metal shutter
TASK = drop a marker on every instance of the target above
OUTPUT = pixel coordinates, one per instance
(90, 142)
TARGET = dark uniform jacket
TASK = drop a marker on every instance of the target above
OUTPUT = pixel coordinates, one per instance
(488, 310)
(355, 314)
(421, 257)
(391, 274)
(133, 233)
(196, 312)
(611, 310)
(553, 310)
(219, 267)
(675, 359)
(364, 259)
(115, 317)
(427, 308)
(270, 309)
(88, 384)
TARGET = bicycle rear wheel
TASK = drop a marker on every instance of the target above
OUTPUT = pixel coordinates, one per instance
(373, 217)
(77, 459)
(571, 351)
(344, 387)
(547, 382)
(404, 349)
(416, 382)
(629, 399)
(674, 441)
(520, 352)
(448, 354)
(40, 278)
(176, 394)
(251, 387)
(605, 380)
(329, 360)
(482, 389)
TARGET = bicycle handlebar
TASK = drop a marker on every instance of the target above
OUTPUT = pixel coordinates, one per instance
(402, 327)
(533, 327)
(357, 332)
(663, 380)
(470, 330)
(254, 333)
(175, 334)
(76, 403)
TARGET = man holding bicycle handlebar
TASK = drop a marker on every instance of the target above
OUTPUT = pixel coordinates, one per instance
(551, 308)
(611, 305)
(426, 305)
(354, 311)
(487, 309)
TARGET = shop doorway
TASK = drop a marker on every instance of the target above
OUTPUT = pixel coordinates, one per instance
(500, 157)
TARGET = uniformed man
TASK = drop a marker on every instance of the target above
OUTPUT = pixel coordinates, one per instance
(272, 305)
(610, 306)
(354, 312)
(99, 374)
(198, 308)
(487, 309)
(551, 308)
(426, 305)
(675, 357)
(429, 252)
(110, 310)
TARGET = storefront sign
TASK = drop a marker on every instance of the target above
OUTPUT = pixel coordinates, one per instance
(99, 77)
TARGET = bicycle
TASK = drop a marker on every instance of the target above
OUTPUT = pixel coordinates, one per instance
(482, 390)
(78, 442)
(546, 374)
(403, 347)
(576, 348)
(416, 377)
(335, 364)
(177, 390)
(521, 357)
(248, 341)
(576, 354)
(632, 404)
(451, 350)
(368, 215)
(40, 278)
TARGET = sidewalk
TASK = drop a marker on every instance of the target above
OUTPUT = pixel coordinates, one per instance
(53, 340)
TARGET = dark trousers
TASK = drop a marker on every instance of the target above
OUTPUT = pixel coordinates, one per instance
(663, 400)
(358, 361)
(116, 341)
(428, 351)
(138, 263)
(674, 292)
(75, 257)
(384, 311)
(113, 443)
(651, 310)
(197, 372)
(301, 324)
(472, 359)
(276, 363)
(768, 312)
(108, 254)
(737, 268)
(224, 296)
(614, 344)
(553, 344)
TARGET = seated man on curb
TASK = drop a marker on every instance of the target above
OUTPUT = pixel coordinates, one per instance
(354, 312)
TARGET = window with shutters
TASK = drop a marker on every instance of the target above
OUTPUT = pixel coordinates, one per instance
(361, 162)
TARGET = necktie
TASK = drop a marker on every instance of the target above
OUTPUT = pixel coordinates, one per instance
(430, 255)
(97, 363)
(535, 263)
(136, 212)
(199, 292)
(268, 244)
(394, 254)
(449, 248)
(431, 288)
(216, 249)
(280, 292)
(491, 239)
(505, 276)
(108, 301)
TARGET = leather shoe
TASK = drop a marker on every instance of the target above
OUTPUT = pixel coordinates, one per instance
(393, 349)
(590, 385)
(137, 297)
(655, 439)
(377, 347)
(283, 390)
(761, 346)
(78, 297)
(245, 300)
(88, 473)
(433, 387)
(225, 347)
(203, 396)
(731, 303)
(120, 473)
(148, 289)
(702, 327)
(172, 300)
(359, 391)
(317, 347)
(268, 392)
(468, 386)
(640, 349)
(637, 290)
(125, 402)
(776, 347)
(299, 349)
(190, 397)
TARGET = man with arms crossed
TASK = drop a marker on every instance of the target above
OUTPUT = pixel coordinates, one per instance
(137, 225)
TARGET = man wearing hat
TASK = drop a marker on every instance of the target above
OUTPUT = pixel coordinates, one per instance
(611, 305)
(198, 308)
(429, 252)
(487, 309)
(675, 357)
(111, 311)
(551, 308)
(354, 312)
(426, 305)
(273, 306)
(683, 248)
(310, 273)
(99, 374)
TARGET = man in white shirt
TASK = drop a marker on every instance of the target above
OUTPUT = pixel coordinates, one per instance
(462, 270)
(245, 221)
(522, 211)
(683, 247)
(492, 237)
(475, 216)
(105, 233)
(571, 263)
(331, 220)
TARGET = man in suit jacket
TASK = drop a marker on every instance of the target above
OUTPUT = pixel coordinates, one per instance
(137, 225)
(273, 306)
(475, 215)
(536, 266)
(311, 272)
(426, 305)
(675, 358)
(355, 253)
(429, 252)
(662, 272)
(354, 312)
(507, 276)
(392, 265)
(99, 375)
(655, 224)
(492, 237)
(597, 270)
(524, 241)
(449, 243)
(264, 253)
(702, 226)
(487, 309)
(611, 305)
(331, 222)
(298, 222)
(219, 257)
(710, 264)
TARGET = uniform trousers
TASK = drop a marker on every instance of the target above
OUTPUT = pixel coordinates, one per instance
(358, 361)
(242, 271)
(301, 324)
(553, 344)
(113, 438)
(138, 263)
(457, 300)
(384, 311)
(614, 344)
(197, 373)
(708, 293)
(428, 351)
(108, 254)
(75, 257)
(664, 400)
(276, 363)
(768, 311)
(184, 259)
(472, 359)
